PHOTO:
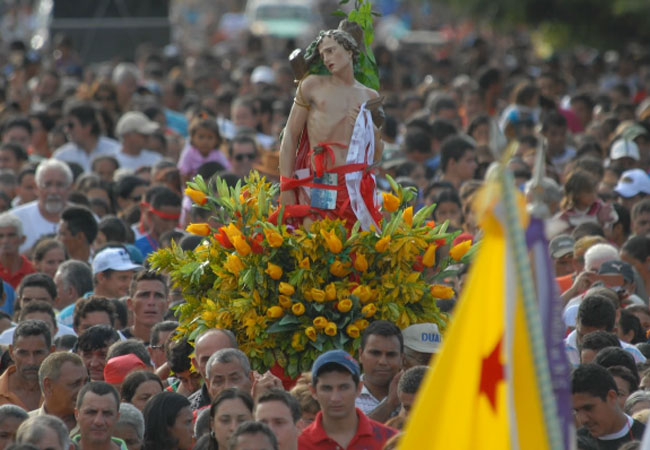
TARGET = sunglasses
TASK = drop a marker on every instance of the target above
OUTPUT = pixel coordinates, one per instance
(242, 156)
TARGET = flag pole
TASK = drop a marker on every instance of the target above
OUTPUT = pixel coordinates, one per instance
(515, 236)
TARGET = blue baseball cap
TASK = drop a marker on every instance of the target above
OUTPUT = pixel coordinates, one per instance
(339, 357)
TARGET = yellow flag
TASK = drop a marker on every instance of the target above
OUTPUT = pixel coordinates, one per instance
(467, 401)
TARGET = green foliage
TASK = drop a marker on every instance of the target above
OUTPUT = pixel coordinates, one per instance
(365, 70)
(566, 23)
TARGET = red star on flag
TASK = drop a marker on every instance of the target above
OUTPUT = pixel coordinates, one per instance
(491, 374)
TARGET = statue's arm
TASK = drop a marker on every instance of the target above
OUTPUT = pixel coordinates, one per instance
(292, 131)
(375, 105)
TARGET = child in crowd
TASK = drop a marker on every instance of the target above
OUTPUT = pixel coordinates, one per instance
(204, 147)
(581, 203)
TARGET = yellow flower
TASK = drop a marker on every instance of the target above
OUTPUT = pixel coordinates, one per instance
(318, 295)
(295, 342)
(256, 297)
(330, 292)
(304, 264)
(202, 229)
(429, 258)
(284, 301)
(459, 250)
(197, 197)
(352, 331)
(361, 324)
(332, 240)
(344, 305)
(311, 333)
(391, 203)
(407, 215)
(286, 288)
(274, 312)
(442, 292)
(382, 244)
(361, 263)
(403, 320)
(369, 310)
(320, 322)
(330, 329)
(363, 292)
(240, 244)
(232, 231)
(274, 238)
(298, 309)
(273, 271)
(234, 264)
(338, 269)
(208, 316)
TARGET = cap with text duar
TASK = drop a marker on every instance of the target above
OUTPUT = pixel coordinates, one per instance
(113, 258)
(624, 148)
(632, 183)
(423, 338)
(135, 122)
(339, 357)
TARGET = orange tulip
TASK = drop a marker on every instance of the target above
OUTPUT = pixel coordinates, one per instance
(330, 292)
(353, 331)
(429, 258)
(274, 238)
(369, 310)
(407, 215)
(240, 244)
(382, 244)
(201, 229)
(318, 295)
(304, 264)
(391, 202)
(332, 240)
(285, 301)
(274, 271)
(311, 333)
(320, 322)
(459, 250)
(274, 312)
(331, 329)
(361, 263)
(344, 305)
(442, 292)
(286, 288)
(234, 264)
(197, 197)
(298, 309)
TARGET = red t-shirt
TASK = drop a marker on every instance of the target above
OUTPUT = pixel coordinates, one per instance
(370, 435)
(15, 278)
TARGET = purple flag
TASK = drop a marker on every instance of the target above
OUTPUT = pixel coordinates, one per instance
(550, 308)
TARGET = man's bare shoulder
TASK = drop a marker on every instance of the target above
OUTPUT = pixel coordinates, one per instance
(313, 81)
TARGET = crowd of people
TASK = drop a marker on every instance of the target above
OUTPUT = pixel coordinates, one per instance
(93, 164)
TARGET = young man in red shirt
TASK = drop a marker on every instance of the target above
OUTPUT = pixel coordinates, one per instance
(339, 425)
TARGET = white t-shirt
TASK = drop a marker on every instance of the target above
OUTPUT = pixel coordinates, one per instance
(71, 152)
(145, 158)
(7, 336)
(34, 224)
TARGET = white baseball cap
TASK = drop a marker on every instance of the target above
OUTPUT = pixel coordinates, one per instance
(263, 74)
(135, 122)
(423, 337)
(624, 148)
(113, 258)
(633, 182)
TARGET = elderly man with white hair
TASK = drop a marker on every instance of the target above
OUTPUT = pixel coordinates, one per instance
(13, 265)
(130, 426)
(53, 185)
(44, 432)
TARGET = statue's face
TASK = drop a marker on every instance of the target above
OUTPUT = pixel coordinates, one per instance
(334, 56)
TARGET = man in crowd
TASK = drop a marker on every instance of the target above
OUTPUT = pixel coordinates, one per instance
(595, 402)
(381, 355)
(85, 133)
(162, 215)
(159, 336)
(408, 387)
(45, 432)
(19, 384)
(457, 160)
(97, 411)
(147, 302)
(205, 345)
(336, 385)
(281, 412)
(92, 347)
(77, 231)
(53, 181)
(421, 342)
(253, 435)
(133, 129)
(93, 311)
(113, 272)
(13, 265)
(228, 368)
(243, 152)
(61, 376)
(73, 280)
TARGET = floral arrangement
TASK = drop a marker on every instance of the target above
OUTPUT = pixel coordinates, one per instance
(290, 294)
